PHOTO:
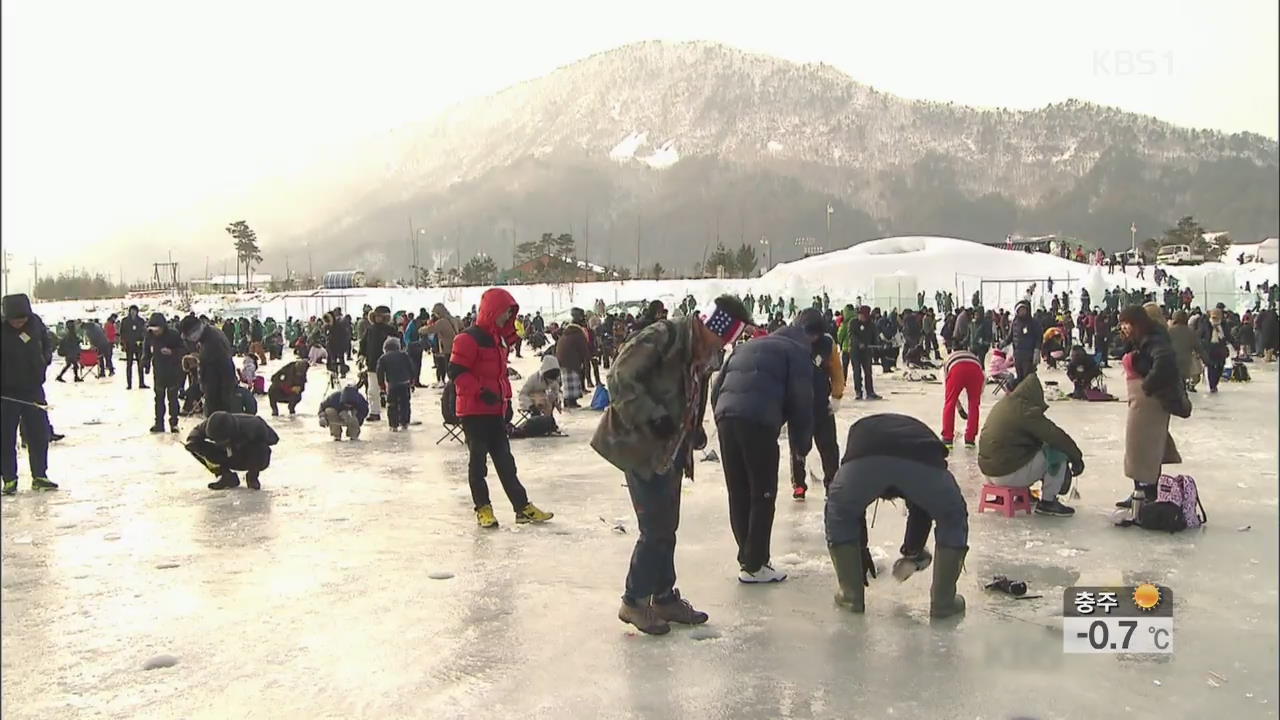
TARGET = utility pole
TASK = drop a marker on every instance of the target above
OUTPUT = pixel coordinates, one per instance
(638, 246)
(830, 211)
(586, 235)
(1133, 236)
(8, 260)
(35, 276)
(413, 253)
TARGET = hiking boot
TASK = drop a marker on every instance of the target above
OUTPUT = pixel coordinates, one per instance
(766, 574)
(949, 445)
(59, 379)
(485, 517)
(143, 386)
(798, 492)
(678, 610)
(908, 565)
(873, 396)
(850, 590)
(944, 601)
(857, 396)
(252, 481)
(531, 514)
(1054, 508)
(157, 428)
(55, 437)
(374, 418)
(174, 428)
(43, 484)
(79, 379)
(644, 617)
(970, 445)
(226, 481)
(10, 487)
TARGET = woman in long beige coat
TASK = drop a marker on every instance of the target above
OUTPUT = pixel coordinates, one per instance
(1155, 392)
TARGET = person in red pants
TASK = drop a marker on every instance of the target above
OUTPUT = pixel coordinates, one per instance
(963, 373)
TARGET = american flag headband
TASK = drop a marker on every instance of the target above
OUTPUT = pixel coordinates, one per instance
(725, 325)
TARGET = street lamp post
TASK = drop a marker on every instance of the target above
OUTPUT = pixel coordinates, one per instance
(764, 240)
(1133, 237)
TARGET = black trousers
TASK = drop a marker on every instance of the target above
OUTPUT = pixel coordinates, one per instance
(749, 453)
(219, 460)
(862, 372)
(167, 395)
(275, 395)
(487, 437)
(105, 361)
(1215, 368)
(398, 405)
(656, 501)
(35, 431)
(74, 366)
(824, 439)
(931, 343)
(441, 363)
(133, 356)
(415, 359)
(1024, 364)
(337, 360)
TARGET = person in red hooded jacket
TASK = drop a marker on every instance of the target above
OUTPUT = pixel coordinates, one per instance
(478, 370)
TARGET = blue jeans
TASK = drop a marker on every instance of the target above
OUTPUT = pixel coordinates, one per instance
(656, 501)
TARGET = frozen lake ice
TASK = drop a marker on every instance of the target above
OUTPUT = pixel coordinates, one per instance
(356, 584)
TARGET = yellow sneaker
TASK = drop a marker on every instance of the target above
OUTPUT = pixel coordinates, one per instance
(485, 517)
(531, 514)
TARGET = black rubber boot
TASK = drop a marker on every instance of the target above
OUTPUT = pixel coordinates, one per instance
(847, 560)
(226, 481)
(943, 599)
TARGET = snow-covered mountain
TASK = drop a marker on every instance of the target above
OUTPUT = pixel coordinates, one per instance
(633, 114)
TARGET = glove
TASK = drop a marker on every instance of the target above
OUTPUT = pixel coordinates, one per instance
(868, 567)
(663, 427)
(324, 420)
(489, 397)
(1077, 468)
(834, 405)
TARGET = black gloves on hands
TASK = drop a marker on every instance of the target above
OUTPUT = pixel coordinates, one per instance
(1077, 468)
(663, 427)
(868, 567)
(489, 397)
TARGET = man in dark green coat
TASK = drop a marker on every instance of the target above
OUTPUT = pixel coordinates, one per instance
(1019, 447)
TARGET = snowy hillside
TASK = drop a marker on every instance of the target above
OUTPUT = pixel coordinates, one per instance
(887, 273)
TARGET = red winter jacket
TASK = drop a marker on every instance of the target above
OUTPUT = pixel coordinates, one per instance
(479, 359)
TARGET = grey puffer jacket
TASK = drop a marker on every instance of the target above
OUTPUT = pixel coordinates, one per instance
(769, 381)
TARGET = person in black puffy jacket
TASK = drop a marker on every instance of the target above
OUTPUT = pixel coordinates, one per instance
(163, 351)
(25, 354)
(227, 442)
(766, 382)
(218, 384)
(133, 333)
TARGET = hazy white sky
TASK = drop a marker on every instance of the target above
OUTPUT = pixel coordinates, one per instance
(119, 115)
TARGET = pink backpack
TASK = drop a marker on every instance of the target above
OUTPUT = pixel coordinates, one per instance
(1181, 491)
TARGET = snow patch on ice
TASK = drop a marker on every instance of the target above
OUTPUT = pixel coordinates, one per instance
(663, 157)
(626, 150)
(775, 146)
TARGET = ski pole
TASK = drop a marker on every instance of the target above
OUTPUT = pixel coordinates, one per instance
(39, 406)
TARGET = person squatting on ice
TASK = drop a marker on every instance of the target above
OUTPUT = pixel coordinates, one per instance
(162, 351)
(763, 384)
(828, 390)
(1020, 447)
(963, 374)
(345, 408)
(658, 396)
(478, 369)
(227, 442)
(887, 457)
(287, 385)
(26, 350)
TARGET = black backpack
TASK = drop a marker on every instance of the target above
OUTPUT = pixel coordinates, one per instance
(1165, 516)
(449, 404)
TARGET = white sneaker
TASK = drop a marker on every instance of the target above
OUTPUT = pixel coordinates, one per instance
(766, 574)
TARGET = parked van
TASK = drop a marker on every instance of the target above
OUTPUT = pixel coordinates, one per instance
(1178, 255)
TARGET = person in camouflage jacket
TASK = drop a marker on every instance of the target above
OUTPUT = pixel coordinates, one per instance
(658, 393)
